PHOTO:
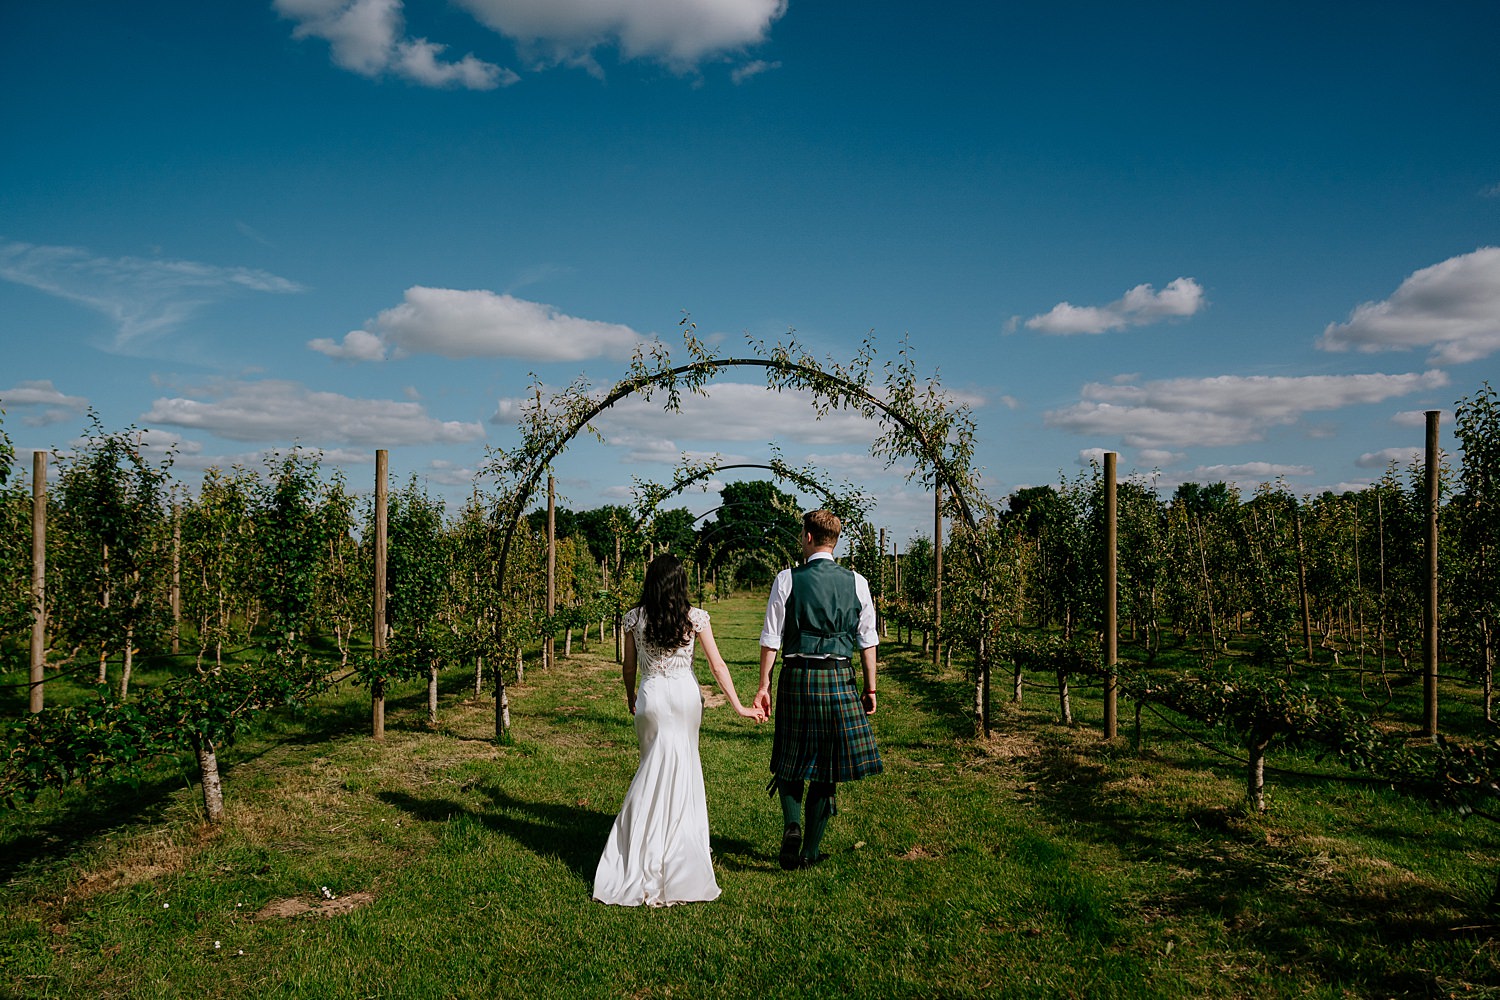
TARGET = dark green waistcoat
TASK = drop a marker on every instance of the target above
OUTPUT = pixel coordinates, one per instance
(822, 613)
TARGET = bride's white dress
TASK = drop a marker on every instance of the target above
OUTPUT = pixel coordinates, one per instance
(657, 853)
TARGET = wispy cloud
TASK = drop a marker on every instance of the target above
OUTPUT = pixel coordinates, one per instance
(369, 37)
(1141, 305)
(145, 298)
(1225, 410)
(275, 410)
(1257, 472)
(1452, 307)
(751, 69)
(479, 324)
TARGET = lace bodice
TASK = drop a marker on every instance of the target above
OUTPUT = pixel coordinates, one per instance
(666, 662)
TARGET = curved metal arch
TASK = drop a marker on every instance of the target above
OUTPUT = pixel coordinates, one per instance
(806, 482)
(631, 386)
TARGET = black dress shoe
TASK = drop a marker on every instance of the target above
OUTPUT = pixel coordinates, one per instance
(809, 862)
(791, 847)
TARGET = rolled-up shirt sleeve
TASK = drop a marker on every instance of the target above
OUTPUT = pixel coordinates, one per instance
(781, 589)
(868, 634)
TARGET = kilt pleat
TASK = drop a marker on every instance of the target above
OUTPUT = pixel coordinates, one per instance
(822, 731)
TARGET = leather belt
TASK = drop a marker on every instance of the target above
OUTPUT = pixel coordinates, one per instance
(818, 662)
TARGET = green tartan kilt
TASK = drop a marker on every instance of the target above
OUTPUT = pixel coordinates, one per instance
(822, 731)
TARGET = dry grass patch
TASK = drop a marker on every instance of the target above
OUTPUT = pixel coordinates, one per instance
(296, 906)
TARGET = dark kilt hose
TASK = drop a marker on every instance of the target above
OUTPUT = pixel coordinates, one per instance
(822, 731)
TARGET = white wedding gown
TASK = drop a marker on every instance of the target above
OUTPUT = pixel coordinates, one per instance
(657, 853)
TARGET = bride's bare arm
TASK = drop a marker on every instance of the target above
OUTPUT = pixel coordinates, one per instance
(721, 674)
(627, 671)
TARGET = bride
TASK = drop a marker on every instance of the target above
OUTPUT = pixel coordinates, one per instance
(657, 853)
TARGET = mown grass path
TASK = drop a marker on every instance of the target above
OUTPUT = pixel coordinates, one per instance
(1040, 864)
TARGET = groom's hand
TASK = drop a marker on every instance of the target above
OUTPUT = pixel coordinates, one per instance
(763, 701)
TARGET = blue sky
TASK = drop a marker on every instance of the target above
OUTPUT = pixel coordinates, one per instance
(1230, 242)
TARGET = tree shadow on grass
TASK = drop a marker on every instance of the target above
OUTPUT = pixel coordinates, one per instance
(1288, 899)
(85, 815)
(946, 702)
(573, 834)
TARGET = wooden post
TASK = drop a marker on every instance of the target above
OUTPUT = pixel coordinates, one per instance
(1111, 600)
(880, 604)
(377, 689)
(937, 575)
(1430, 618)
(547, 650)
(38, 576)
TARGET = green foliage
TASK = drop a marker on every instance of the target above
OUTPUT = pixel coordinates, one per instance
(290, 537)
(756, 532)
(1473, 621)
(112, 739)
(218, 560)
(108, 548)
(16, 605)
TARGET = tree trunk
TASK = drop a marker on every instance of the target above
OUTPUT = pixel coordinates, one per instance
(478, 676)
(1255, 785)
(568, 643)
(1016, 691)
(432, 693)
(208, 773)
(1065, 697)
(502, 709)
(129, 662)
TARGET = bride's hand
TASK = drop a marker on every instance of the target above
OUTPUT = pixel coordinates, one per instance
(756, 713)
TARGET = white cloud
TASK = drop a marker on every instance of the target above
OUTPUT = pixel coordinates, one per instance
(368, 37)
(1158, 457)
(1091, 456)
(278, 410)
(1138, 307)
(51, 406)
(1384, 457)
(357, 345)
(1227, 409)
(1452, 307)
(447, 473)
(679, 33)
(1416, 418)
(145, 298)
(480, 324)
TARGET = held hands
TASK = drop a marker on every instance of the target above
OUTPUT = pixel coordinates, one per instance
(762, 701)
(753, 712)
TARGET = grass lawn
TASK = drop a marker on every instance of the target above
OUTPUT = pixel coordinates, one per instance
(1043, 862)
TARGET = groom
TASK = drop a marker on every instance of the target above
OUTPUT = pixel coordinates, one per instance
(818, 615)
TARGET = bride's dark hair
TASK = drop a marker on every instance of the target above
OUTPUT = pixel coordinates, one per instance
(664, 599)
